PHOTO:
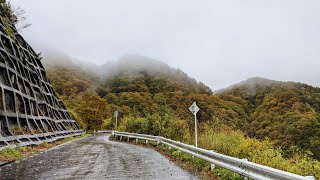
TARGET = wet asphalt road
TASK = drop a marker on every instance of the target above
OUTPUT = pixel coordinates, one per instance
(95, 157)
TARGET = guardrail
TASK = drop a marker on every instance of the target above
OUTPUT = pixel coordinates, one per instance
(240, 166)
(34, 139)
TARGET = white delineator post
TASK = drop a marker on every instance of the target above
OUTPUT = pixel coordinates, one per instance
(194, 109)
(116, 116)
(195, 128)
(116, 122)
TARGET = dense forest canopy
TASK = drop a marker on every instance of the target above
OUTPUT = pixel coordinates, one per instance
(287, 113)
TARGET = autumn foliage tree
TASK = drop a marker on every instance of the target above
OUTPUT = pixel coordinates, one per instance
(94, 110)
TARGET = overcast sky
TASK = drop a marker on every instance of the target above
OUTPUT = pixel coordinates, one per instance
(216, 42)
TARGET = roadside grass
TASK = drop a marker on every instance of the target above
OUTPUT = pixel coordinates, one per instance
(10, 154)
(236, 144)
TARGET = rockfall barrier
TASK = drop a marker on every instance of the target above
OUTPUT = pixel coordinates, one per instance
(30, 111)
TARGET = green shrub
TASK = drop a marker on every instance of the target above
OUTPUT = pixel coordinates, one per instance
(235, 144)
(69, 138)
(136, 125)
(224, 142)
(8, 27)
(10, 154)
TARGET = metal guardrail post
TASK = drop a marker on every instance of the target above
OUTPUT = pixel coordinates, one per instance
(158, 141)
(212, 166)
(245, 178)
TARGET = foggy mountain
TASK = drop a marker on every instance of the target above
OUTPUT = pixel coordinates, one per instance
(129, 67)
(250, 84)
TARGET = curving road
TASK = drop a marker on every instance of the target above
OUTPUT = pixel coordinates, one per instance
(95, 157)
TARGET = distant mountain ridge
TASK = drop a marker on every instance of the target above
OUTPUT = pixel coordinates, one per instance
(250, 83)
(253, 82)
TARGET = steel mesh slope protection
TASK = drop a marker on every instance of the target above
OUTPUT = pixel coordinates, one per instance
(30, 111)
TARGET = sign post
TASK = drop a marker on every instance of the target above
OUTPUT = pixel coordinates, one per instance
(116, 116)
(194, 109)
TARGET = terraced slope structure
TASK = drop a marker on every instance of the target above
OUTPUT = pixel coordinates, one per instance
(30, 111)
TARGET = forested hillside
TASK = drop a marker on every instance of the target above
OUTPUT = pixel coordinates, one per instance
(155, 98)
(286, 112)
